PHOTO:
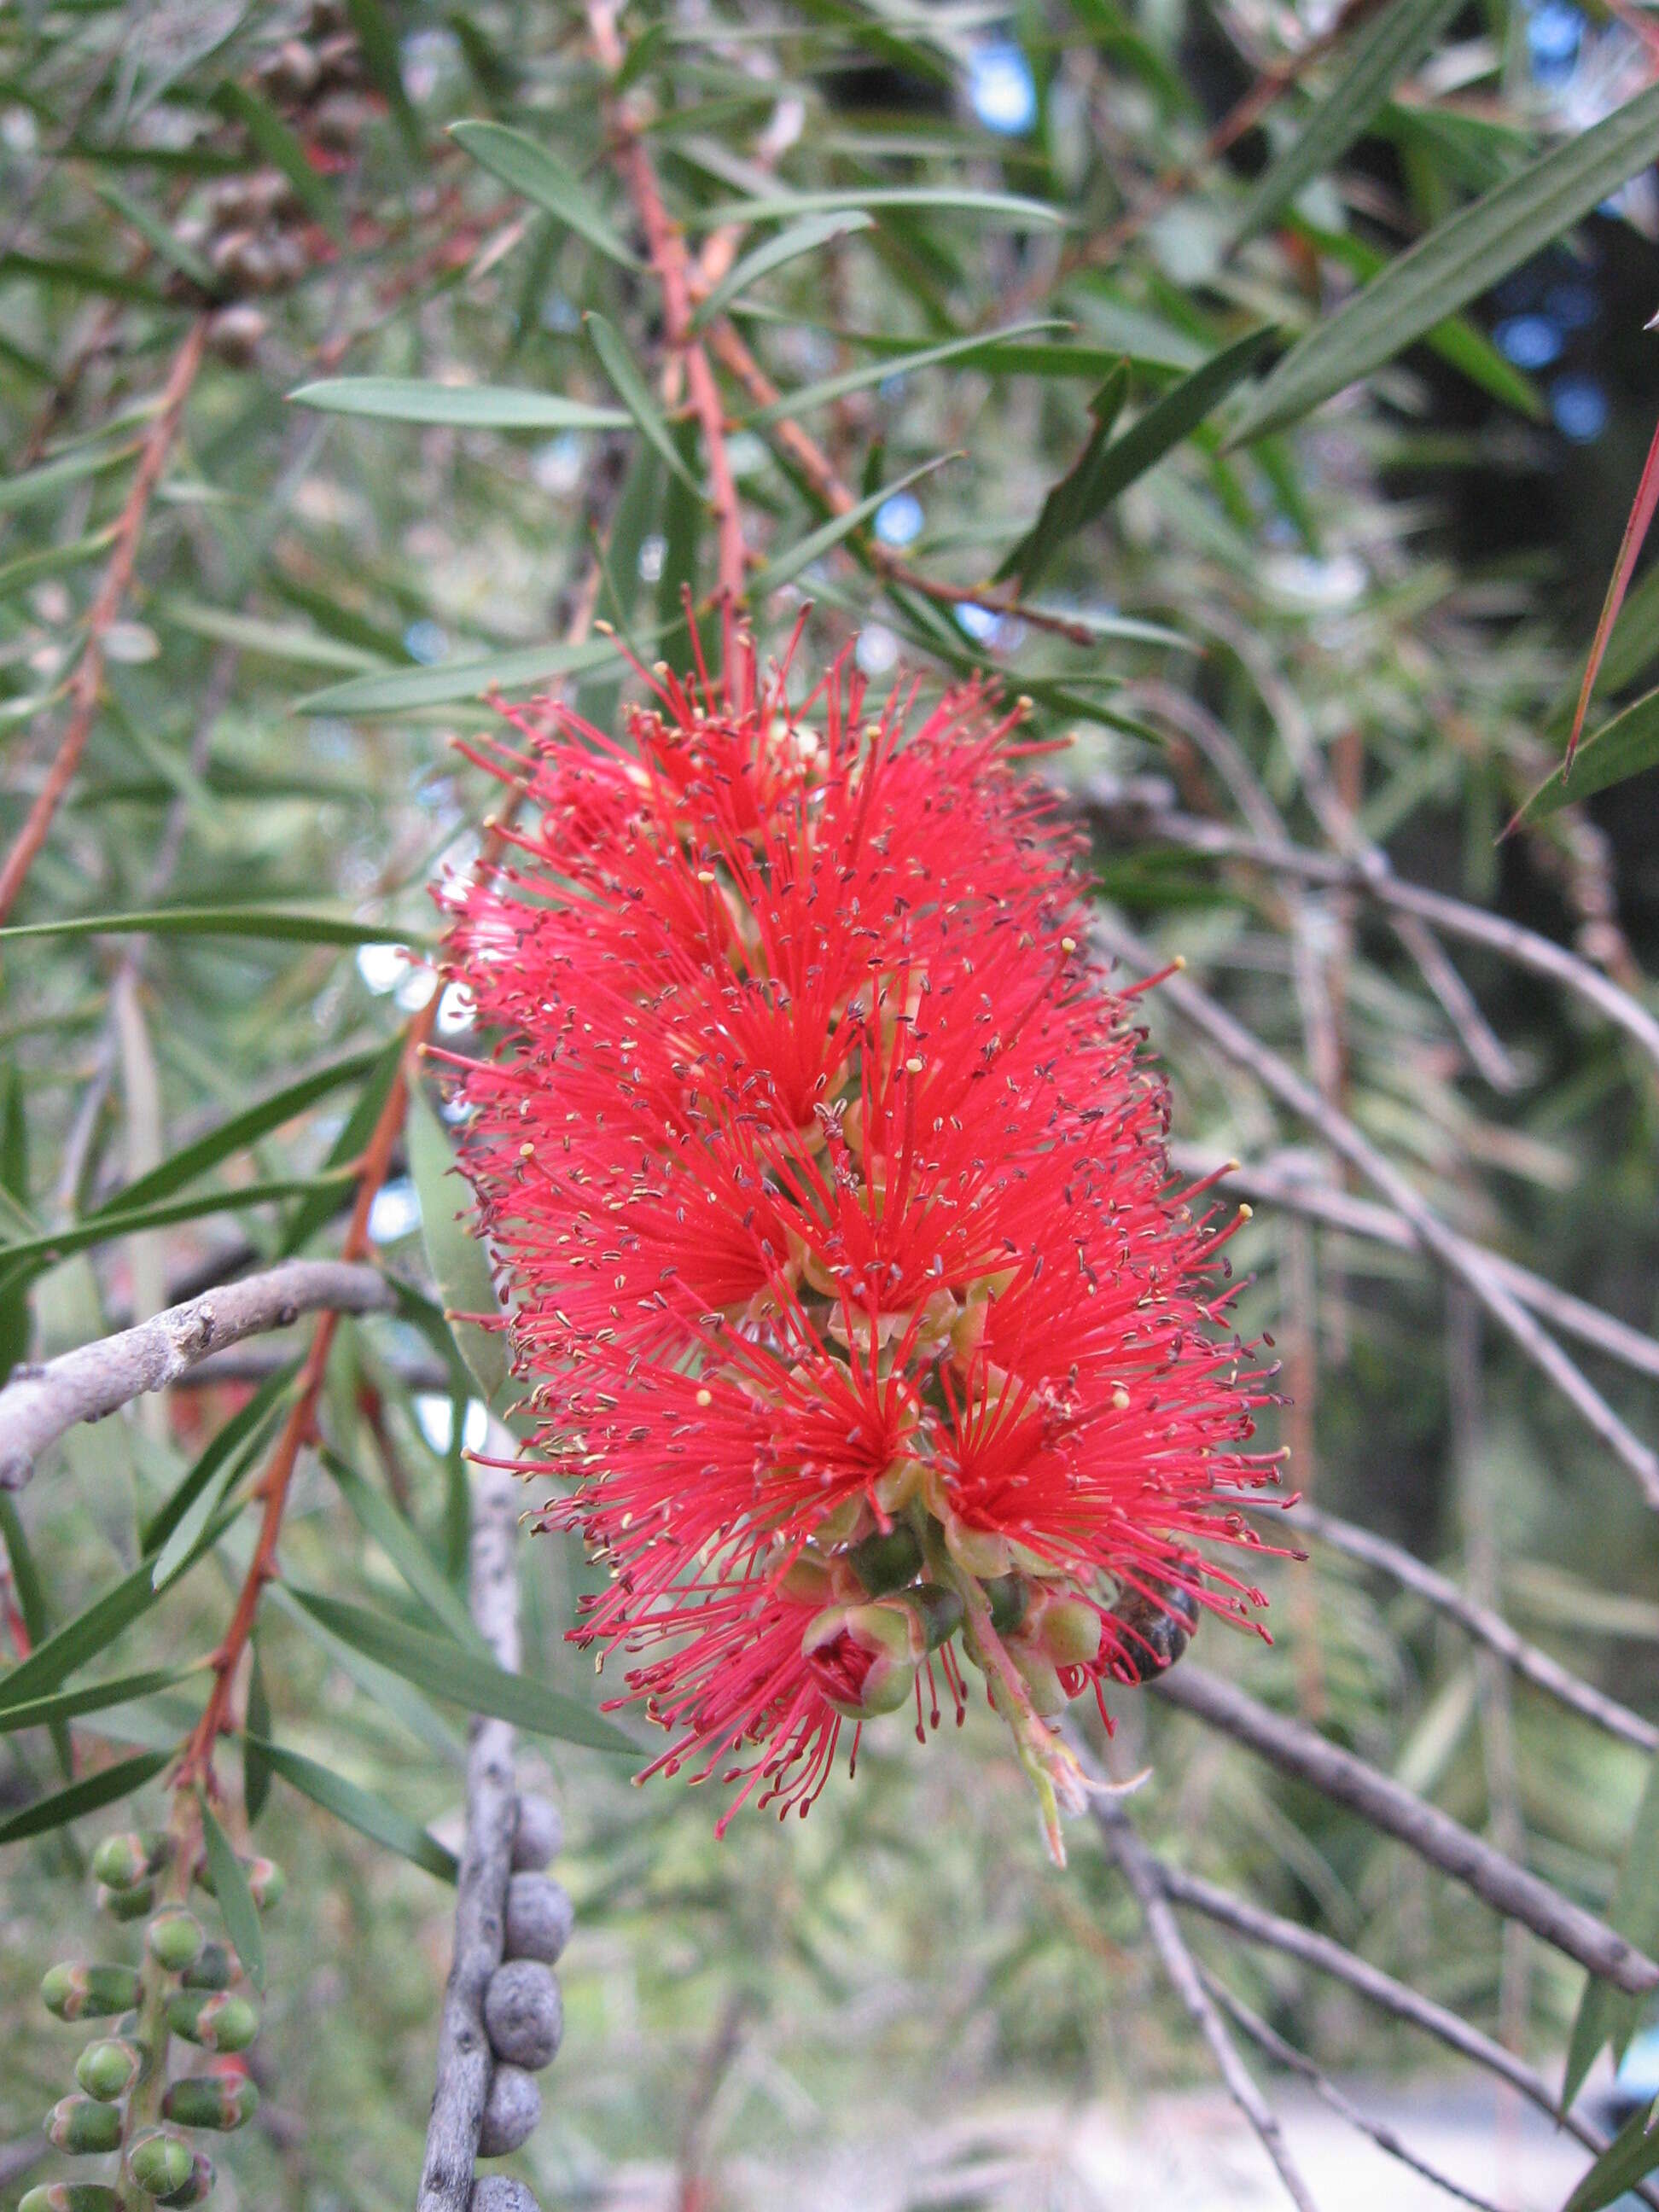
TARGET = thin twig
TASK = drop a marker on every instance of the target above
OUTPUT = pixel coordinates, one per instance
(40, 1403)
(1388, 1806)
(86, 685)
(464, 2061)
(1487, 1626)
(1294, 1940)
(1274, 2046)
(1141, 1872)
(1277, 1077)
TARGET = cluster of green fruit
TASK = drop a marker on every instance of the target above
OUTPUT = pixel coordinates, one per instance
(126, 2105)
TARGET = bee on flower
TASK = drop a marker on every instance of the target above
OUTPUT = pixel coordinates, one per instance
(865, 1330)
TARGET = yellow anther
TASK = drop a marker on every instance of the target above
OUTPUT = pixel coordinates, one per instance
(1068, 944)
(913, 1066)
(1247, 1214)
(1179, 962)
(1120, 1398)
(706, 876)
(705, 1397)
(527, 1151)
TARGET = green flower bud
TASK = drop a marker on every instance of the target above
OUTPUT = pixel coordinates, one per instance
(1042, 1683)
(72, 2197)
(84, 2126)
(198, 2184)
(108, 2068)
(212, 2100)
(89, 1992)
(887, 1563)
(214, 1968)
(127, 1857)
(127, 1904)
(265, 1880)
(864, 1657)
(161, 2162)
(214, 2019)
(175, 1939)
(1065, 1628)
(1008, 1595)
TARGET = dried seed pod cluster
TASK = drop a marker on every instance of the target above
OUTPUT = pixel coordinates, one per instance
(523, 2010)
(138, 2091)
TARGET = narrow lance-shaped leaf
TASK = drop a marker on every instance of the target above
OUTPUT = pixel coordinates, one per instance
(775, 252)
(446, 1671)
(455, 1253)
(1606, 2015)
(1065, 508)
(1632, 2155)
(1007, 208)
(359, 1808)
(244, 1432)
(532, 172)
(635, 392)
(1636, 530)
(464, 406)
(256, 1767)
(95, 1697)
(817, 542)
(231, 1891)
(274, 925)
(962, 351)
(360, 1123)
(1620, 748)
(402, 689)
(45, 1250)
(379, 1519)
(1459, 260)
(106, 1787)
(240, 105)
(1384, 52)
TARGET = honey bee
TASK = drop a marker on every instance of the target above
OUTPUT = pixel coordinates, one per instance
(1154, 1626)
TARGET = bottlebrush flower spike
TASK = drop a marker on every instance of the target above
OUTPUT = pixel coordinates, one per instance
(829, 1185)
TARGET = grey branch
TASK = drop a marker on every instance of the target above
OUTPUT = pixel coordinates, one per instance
(1140, 1871)
(1374, 879)
(1295, 1092)
(1274, 2046)
(1285, 1181)
(464, 2055)
(1511, 1890)
(40, 1403)
(1293, 1941)
(1486, 1626)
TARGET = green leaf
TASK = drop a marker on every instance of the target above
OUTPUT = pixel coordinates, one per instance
(278, 144)
(370, 1815)
(785, 246)
(241, 1130)
(468, 406)
(307, 1219)
(444, 1670)
(1457, 261)
(106, 1787)
(1620, 748)
(1606, 2015)
(454, 1250)
(46, 1249)
(256, 1767)
(1005, 207)
(534, 173)
(1091, 490)
(635, 392)
(401, 689)
(272, 641)
(231, 1895)
(32, 1604)
(94, 1698)
(962, 351)
(1632, 2155)
(48, 480)
(54, 561)
(275, 925)
(817, 542)
(378, 42)
(379, 1519)
(1068, 505)
(242, 1433)
(1386, 50)
(158, 235)
(80, 276)
(175, 1553)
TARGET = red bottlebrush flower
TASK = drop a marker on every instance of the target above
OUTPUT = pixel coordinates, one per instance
(828, 1186)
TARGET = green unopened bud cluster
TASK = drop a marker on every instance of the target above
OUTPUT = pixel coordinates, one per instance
(185, 1989)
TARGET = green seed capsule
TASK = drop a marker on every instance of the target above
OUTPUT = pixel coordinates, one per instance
(198, 2185)
(215, 1968)
(108, 2068)
(214, 2019)
(126, 1858)
(72, 2197)
(82, 2125)
(175, 1939)
(161, 2162)
(89, 1992)
(221, 2101)
(127, 1904)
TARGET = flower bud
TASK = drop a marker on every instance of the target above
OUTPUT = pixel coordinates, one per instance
(89, 1992)
(979, 1552)
(537, 1834)
(214, 2019)
(213, 1968)
(265, 1880)
(887, 1563)
(160, 2161)
(108, 2068)
(538, 1918)
(126, 1858)
(510, 2112)
(127, 1904)
(1065, 1628)
(1008, 1596)
(524, 2013)
(175, 1939)
(72, 2197)
(1047, 1693)
(864, 1657)
(83, 2126)
(223, 2101)
(199, 2182)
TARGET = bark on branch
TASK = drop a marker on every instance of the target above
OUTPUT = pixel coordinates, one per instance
(95, 1380)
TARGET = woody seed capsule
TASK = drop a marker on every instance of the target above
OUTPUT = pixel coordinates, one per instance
(539, 1833)
(538, 1918)
(497, 2193)
(524, 2013)
(510, 2114)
